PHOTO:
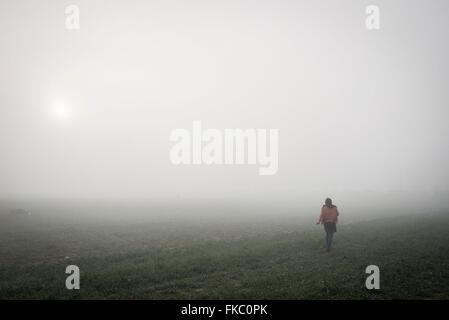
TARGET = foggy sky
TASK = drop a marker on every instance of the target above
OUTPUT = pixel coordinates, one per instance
(358, 111)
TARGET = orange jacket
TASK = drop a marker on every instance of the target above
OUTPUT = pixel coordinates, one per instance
(328, 214)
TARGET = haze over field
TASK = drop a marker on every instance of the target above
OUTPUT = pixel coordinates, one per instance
(87, 114)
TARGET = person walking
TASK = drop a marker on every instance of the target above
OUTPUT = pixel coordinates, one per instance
(328, 218)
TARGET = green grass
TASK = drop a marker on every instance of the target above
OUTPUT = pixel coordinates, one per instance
(169, 261)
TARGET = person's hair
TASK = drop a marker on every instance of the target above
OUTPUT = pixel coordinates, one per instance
(328, 202)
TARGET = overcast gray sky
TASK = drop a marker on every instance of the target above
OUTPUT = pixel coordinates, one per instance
(357, 111)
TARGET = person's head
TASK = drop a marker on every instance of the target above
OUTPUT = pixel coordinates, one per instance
(328, 202)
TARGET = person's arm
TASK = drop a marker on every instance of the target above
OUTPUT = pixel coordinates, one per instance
(320, 218)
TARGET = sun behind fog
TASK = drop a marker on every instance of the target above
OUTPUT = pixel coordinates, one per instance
(60, 111)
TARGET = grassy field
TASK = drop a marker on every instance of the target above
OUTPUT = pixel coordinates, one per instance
(270, 259)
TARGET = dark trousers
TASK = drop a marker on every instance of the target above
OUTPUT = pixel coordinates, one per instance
(330, 229)
(329, 237)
